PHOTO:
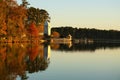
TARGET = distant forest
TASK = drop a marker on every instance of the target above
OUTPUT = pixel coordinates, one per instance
(86, 33)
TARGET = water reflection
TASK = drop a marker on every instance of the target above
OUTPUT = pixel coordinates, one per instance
(83, 46)
(22, 59)
(18, 59)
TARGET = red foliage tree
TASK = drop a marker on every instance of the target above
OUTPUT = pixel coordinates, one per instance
(55, 34)
(33, 30)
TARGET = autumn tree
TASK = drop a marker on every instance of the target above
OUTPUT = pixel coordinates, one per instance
(33, 31)
(24, 3)
(16, 19)
(37, 15)
(55, 34)
(12, 18)
(3, 11)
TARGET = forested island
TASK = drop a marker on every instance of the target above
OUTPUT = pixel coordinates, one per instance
(95, 35)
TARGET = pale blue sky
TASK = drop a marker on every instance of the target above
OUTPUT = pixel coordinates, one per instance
(101, 14)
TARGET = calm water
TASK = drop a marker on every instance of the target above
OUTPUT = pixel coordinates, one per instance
(60, 62)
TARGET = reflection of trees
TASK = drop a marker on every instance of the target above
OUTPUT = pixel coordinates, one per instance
(17, 59)
(55, 46)
(36, 62)
(37, 65)
(86, 47)
(12, 62)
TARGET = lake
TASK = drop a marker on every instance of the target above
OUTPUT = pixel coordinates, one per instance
(60, 61)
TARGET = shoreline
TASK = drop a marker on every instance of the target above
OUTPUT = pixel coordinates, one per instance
(63, 40)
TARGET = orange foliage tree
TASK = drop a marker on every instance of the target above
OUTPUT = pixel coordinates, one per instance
(3, 12)
(55, 34)
(33, 31)
(12, 18)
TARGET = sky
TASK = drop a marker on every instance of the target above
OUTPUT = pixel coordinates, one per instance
(100, 14)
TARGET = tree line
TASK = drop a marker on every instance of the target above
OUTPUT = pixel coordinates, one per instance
(86, 33)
